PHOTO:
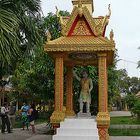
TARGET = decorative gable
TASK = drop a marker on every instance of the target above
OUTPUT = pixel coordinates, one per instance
(82, 20)
(80, 27)
(81, 23)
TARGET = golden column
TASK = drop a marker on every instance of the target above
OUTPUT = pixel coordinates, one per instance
(103, 117)
(69, 92)
(58, 114)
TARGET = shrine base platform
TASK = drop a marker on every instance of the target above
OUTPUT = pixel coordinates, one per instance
(77, 129)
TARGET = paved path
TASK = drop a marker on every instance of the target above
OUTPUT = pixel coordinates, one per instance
(19, 135)
(40, 137)
(119, 113)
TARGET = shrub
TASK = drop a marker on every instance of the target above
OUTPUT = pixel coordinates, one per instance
(136, 108)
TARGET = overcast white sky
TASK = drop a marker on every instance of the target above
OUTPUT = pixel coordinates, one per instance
(125, 21)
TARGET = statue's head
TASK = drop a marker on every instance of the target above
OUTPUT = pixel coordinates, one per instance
(84, 74)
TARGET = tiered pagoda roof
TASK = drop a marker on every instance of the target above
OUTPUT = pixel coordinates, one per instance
(82, 33)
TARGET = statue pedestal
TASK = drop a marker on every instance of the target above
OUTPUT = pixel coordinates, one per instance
(84, 115)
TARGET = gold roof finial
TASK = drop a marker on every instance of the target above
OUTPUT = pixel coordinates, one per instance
(80, 10)
(105, 21)
(109, 11)
(57, 11)
(80, 4)
(60, 18)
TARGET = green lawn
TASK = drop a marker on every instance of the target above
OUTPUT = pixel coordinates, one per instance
(124, 132)
(125, 120)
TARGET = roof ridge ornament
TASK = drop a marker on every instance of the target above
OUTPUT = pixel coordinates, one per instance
(80, 4)
(105, 21)
(80, 10)
(109, 10)
(111, 35)
(60, 18)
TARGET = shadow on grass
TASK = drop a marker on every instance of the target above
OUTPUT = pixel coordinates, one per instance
(125, 120)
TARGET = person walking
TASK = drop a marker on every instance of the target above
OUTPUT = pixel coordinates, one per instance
(5, 118)
(11, 114)
(24, 115)
(32, 117)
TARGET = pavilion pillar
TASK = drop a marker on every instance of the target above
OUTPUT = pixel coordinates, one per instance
(69, 92)
(103, 117)
(58, 114)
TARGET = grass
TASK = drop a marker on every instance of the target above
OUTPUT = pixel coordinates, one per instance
(125, 120)
(124, 132)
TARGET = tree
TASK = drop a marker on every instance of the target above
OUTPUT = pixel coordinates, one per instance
(33, 77)
(126, 89)
(52, 25)
(123, 81)
(128, 85)
(113, 84)
(9, 41)
(136, 108)
(134, 85)
(34, 74)
(20, 30)
(130, 99)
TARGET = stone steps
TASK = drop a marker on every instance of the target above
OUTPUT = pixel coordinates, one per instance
(77, 125)
(77, 129)
(75, 137)
(81, 132)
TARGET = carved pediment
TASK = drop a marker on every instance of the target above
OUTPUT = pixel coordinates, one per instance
(80, 28)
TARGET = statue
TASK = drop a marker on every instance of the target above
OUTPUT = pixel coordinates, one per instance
(86, 87)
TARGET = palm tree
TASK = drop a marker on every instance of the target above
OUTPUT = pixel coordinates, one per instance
(9, 40)
(19, 28)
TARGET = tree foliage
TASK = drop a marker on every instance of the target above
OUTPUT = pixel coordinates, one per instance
(127, 88)
(34, 76)
(20, 30)
(9, 41)
(51, 23)
(128, 85)
(136, 108)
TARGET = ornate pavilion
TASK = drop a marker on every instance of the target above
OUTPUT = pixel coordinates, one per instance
(83, 42)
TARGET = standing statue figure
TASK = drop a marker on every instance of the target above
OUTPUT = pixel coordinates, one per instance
(86, 87)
